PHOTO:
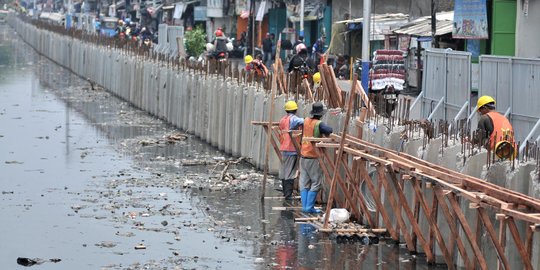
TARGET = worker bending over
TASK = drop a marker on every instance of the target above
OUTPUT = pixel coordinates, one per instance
(494, 130)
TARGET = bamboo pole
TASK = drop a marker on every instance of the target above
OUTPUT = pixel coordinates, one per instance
(268, 137)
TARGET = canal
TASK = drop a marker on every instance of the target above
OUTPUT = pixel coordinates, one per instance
(90, 182)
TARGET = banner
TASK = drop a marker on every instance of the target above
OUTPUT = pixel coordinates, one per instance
(470, 19)
(260, 12)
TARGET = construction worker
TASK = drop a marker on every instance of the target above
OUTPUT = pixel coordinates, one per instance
(289, 154)
(494, 130)
(310, 170)
(255, 65)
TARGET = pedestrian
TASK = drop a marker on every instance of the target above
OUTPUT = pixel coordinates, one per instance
(289, 154)
(318, 49)
(494, 130)
(268, 44)
(300, 40)
(310, 170)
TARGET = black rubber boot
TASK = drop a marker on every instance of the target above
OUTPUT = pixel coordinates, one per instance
(288, 187)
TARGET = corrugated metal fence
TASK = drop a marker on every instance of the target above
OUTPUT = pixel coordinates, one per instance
(446, 85)
(515, 85)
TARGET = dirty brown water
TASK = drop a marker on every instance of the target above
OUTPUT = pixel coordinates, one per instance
(85, 178)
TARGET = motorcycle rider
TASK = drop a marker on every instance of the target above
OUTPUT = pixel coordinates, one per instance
(220, 44)
(301, 66)
(255, 65)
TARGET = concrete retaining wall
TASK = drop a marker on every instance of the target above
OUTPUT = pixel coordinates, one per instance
(220, 111)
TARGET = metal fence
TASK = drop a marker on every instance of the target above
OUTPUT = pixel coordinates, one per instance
(446, 86)
(514, 83)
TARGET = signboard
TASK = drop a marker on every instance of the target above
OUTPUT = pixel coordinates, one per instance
(199, 13)
(470, 20)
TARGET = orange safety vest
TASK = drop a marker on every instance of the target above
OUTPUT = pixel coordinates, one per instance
(311, 129)
(502, 129)
(285, 139)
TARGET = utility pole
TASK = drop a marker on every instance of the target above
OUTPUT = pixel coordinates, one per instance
(365, 44)
(301, 17)
(434, 42)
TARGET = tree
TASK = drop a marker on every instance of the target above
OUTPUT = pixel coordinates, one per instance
(195, 41)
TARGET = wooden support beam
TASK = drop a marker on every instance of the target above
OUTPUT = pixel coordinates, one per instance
(377, 198)
(343, 187)
(391, 193)
(468, 232)
(431, 215)
(434, 213)
(449, 216)
(519, 244)
(405, 205)
(352, 95)
(529, 235)
(502, 236)
(331, 230)
(493, 236)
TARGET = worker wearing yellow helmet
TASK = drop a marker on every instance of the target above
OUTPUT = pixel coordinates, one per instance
(255, 65)
(494, 130)
(289, 148)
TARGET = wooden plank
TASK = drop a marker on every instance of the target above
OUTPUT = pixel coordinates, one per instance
(408, 212)
(284, 208)
(502, 236)
(529, 240)
(434, 213)
(332, 230)
(360, 122)
(306, 218)
(469, 181)
(263, 123)
(339, 155)
(468, 232)
(352, 188)
(280, 197)
(377, 198)
(397, 211)
(431, 215)
(519, 243)
(365, 98)
(269, 137)
(348, 196)
(324, 162)
(493, 236)
(274, 144)
(453, 229)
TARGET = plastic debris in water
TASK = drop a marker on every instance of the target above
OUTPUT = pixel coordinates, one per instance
(140, 246)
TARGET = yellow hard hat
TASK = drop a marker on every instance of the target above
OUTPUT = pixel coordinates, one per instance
(248, 59)
(483, 100)
(291, 105)
(317, 77)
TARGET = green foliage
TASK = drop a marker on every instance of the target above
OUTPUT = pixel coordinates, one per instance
(195, 41)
